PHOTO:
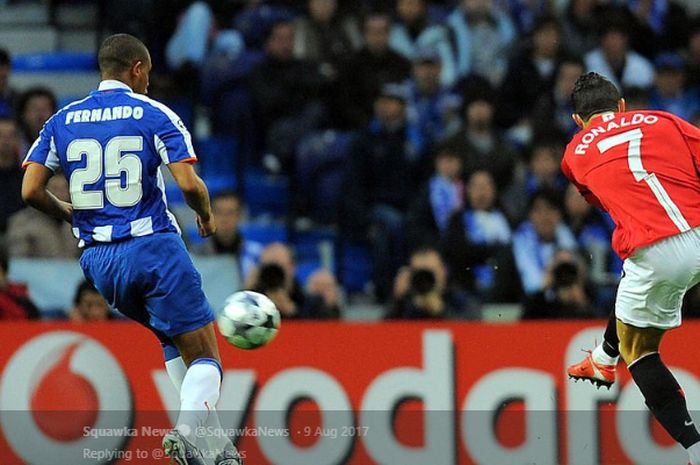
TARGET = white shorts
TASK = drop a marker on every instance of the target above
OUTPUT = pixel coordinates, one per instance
(656, 278)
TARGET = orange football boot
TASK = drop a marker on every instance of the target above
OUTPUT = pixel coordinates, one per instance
(588, 369)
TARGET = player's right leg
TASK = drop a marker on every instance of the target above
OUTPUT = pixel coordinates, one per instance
(648, 303)
(152, 280)
(178, 308)
(601, 363)
(662, 393)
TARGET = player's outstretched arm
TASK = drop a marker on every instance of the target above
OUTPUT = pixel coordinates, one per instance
(196, 195)
(34, 193)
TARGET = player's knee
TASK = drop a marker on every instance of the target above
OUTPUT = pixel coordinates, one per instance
(632, 349)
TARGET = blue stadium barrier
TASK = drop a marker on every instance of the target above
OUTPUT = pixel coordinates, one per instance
(264, 234)
(306, 269)
(306, 243)
(54, 61)
(217, 184)
(355, 267)
(319, 159)
(266, 194)
(217, 155)
(183, 109)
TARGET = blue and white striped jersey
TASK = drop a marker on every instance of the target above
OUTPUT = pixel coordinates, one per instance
(110, 146)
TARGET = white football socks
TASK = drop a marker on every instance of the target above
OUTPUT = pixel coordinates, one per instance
(601, 358)
(199, 391)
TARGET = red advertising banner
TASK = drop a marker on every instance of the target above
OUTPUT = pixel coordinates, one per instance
(338, 393)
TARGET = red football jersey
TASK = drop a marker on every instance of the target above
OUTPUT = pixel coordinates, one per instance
(642, 168)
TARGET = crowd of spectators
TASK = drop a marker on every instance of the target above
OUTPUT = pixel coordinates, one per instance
(458, 113)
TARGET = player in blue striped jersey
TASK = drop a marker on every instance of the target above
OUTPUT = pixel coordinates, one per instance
(111, 146)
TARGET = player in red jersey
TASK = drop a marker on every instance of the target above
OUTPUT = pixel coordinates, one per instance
(642, 168)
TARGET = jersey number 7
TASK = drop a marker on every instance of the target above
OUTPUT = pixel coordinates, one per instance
(110, 163)
(634, 158)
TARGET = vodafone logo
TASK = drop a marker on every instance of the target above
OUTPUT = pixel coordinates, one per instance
(56, 387)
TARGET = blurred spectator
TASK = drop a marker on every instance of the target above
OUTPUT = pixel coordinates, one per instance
(657, 26)
(432, 107)
(580, 26)
(565, 294)
(275, 276)
(537, 239)
(483, 34)
(196, 35)
(553, 111)
(421, 291)
(324, 36)
(670, 92)
(14, 297)
(637, 98)
(480, 144)
(34, 108)
(10, 172)
(322, 296)
(31, 233)
(227, 207)
(543, 172)
(89, 305)
(288, 93)
(429, 213)
(693, 57)
(593, 237)
(477, 242)
(525, 13)
(412, 32)
(381, 173)
(367, 71)
(614, 59)
(530, 74)
(8, 97)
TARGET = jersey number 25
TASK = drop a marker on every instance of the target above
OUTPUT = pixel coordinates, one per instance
(111, 162)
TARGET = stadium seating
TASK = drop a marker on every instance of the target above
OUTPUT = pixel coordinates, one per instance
(319, 174)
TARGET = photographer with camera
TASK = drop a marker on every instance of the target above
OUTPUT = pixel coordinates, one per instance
(275, 276)
(565, 293)
(420, 291)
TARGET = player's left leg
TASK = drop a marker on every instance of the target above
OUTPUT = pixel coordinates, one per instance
(663, 395)
(192, 418)
(600, 365)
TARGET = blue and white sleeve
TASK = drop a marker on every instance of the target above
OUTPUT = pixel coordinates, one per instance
(172, 139)
(43, 150)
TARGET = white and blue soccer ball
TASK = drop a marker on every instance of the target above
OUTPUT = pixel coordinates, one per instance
(249, 320)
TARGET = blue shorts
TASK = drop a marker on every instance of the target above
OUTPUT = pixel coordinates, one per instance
(152, 280)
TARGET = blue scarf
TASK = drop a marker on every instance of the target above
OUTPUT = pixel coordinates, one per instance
(445, 198)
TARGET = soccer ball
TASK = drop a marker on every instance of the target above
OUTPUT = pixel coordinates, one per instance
(249, 320)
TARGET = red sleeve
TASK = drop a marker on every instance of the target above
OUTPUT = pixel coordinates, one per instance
(691, 135)
(583, 190)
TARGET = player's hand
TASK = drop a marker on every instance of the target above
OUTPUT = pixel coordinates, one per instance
(206, 227)
(67, 211)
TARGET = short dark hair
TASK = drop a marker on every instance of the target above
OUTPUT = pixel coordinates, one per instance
(5, 58)
(83, 288)
(550, 196)
(594, 94)
(119, 52)
(33, 93)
